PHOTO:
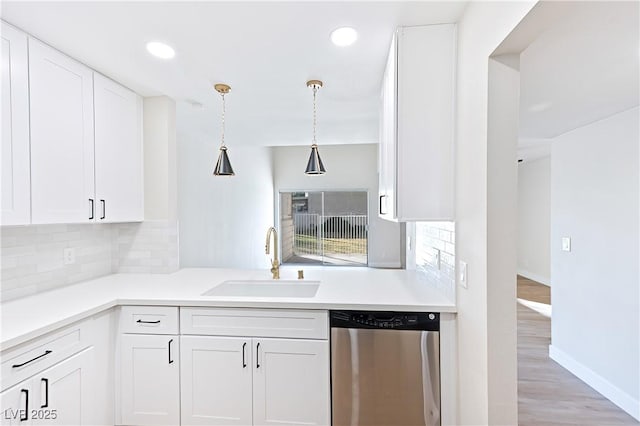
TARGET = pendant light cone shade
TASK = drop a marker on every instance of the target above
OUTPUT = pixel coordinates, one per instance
(223, 166)
(314, 165)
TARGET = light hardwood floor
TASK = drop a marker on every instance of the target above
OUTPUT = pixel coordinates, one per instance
(547, 393)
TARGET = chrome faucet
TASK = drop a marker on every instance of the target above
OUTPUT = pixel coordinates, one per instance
(275, 266)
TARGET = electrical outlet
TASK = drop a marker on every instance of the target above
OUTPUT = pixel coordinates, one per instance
(566, 243)
(69, 256)
(462, 272)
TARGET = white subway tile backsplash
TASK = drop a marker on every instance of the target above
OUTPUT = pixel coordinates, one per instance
(148, 247)
(32, 256)
(433, 239)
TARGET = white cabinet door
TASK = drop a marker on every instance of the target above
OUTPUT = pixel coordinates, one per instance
(416, 179)
(64, 394)
(425, 114)
(216, 380)
(387, 147)
(62, 154)
(16, 188)
(16, 404)
(291, 382)
(149, 379)
(118, 152)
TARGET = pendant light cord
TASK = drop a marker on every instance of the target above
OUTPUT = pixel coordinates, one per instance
(315, 90)
(223, 112)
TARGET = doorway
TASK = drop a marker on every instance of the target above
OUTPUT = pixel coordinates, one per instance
(555, 71)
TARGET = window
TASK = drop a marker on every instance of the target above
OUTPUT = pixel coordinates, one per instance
(325, 228)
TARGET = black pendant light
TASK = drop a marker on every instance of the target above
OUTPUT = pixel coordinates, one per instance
(314, 165)
(223, 166)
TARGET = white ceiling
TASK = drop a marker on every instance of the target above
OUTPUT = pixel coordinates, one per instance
(583, 68)
(266, 51)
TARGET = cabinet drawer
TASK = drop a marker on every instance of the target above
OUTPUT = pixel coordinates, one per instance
(255, 322)
(149, 319)
(26, 360)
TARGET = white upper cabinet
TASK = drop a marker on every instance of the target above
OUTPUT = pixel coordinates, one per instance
(72, 149)
(417, 125)
(118, 152)
(62, 150)
(16, 189)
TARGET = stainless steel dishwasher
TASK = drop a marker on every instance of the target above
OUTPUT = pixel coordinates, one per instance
(385, 368)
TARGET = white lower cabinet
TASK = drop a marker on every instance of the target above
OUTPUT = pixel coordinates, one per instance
(15, 404)
(149, 379)
(216, 380)
(61, 395)
(66, 389)
(259, 381)
(291, 382)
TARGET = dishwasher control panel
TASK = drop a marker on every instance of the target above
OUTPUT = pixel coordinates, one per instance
(386, 320)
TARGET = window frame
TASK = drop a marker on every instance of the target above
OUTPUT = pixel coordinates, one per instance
(277, 220)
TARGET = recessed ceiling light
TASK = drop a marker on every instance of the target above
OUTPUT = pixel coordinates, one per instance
(344, 36)
(160, 50)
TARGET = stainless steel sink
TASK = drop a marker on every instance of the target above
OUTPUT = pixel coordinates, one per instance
(265, 288)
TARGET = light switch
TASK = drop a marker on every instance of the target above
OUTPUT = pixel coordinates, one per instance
(566, 243)
(462, 271)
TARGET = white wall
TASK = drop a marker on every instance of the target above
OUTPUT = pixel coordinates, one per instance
(502, 212)
(223, 219)
(595, 287)
(160, 171)
(482, 28)
(348, 167)
(534, 216)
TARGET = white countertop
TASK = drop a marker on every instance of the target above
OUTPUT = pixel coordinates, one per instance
(340, 288)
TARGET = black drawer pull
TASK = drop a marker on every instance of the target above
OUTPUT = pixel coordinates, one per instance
(104, 209)
(170, 360)
(92, 215)
(148, 322)
(31, 360)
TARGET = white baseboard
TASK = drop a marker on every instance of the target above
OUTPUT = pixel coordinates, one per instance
(597, 382)
(385, 265)
(535, 277)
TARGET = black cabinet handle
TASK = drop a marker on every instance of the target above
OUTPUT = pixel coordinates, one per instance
(31, 360)
(258, 355)
(104, 209)
(244, 362)
(46, 393)
(380, 204)
(149, 322)
(170, 360)
(25, 414)
(91, 201)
